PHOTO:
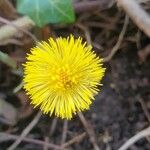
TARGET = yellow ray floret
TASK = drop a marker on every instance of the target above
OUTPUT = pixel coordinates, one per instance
(62, 76)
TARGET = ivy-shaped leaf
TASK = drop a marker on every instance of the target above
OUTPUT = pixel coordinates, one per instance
(47, 11)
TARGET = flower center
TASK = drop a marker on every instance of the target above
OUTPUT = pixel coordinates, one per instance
(65, 79)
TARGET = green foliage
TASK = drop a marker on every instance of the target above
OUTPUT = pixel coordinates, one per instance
(47, 11)
(7, 60)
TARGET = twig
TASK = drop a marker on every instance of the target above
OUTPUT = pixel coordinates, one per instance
(89, 130)
(53, 127)
(26, 131)
(145, 110)
(137, 14)
(11, 41)
(121, 36)
(64, 134)
(135, 138)
(87, 6)
(45, 147)
(143, 1)
(86, 32)
(6, 137)
(98, 24)
(74, 140)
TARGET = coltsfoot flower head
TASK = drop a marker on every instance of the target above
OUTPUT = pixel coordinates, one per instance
(62, 76)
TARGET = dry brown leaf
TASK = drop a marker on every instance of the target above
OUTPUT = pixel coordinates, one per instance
(8, 113)
(26, 109)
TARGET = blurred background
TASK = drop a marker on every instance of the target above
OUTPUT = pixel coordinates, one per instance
(119, 32)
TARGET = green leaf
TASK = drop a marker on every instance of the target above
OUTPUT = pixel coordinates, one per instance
(47, 11)
(7, 60)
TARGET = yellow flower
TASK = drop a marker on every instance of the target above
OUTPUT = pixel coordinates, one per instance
(62, 76)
